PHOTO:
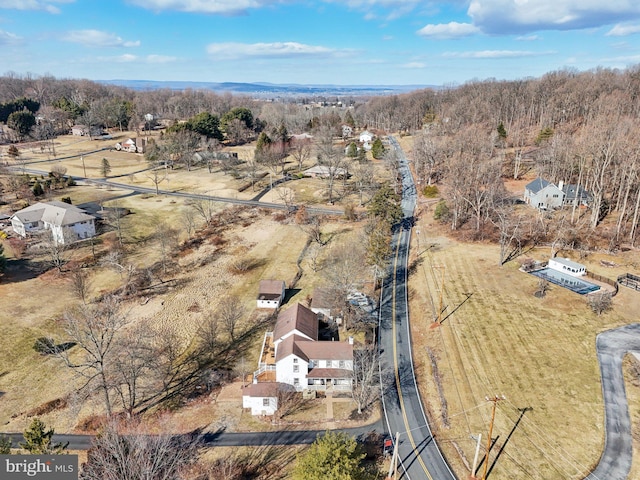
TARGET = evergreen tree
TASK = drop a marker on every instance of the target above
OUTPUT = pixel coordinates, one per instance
(38, 440)
(333, 456)
(3, 259)
(5, 444)
(105, 167)
(352, 150)
(37, 189)
(377, 149)
(502, 132)
(348, 119)
(385, 205)
(21, 122)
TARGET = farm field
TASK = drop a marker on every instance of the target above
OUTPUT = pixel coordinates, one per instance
(539, 353)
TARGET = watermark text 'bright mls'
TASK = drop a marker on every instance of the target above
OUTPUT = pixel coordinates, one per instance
(49, 467)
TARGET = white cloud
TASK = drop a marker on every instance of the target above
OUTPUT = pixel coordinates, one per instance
(223, 7)
(8, 38)
(528, 38)
(622, 30)
(448, 30)
(495, 54)
(519, 16)
(229, 50)
(394, 8)
(98, 38)
(126, 58)
(46, 5)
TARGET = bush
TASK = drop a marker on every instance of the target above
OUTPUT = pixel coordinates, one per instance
(441, 212)
(44, 345)
(430, 191)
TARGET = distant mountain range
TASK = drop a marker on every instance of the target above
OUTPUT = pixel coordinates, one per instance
(267, 90)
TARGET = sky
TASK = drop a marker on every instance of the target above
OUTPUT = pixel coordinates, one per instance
(337, 42)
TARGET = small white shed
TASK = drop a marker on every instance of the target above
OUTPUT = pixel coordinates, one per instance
(567, 266)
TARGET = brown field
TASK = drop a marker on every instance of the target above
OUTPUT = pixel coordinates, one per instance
(32, 303)
(538, 353)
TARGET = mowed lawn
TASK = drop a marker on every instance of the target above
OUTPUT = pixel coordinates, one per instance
(503, 341)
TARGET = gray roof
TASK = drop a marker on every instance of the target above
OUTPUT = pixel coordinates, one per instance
(573, 191)
(537, 185)
(54, 213)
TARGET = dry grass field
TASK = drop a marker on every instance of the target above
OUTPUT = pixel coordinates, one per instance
(32, 303)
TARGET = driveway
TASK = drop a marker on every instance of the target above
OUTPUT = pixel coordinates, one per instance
(611, 346)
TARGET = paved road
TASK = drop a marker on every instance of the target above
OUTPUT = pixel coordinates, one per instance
(612, 345)
(229, 439)
(420, 456)
(203, 196)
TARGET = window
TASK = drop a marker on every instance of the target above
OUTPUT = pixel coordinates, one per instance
(296, 368)
(296, 381)
(265, 402)
(341, 363)
(295, 360)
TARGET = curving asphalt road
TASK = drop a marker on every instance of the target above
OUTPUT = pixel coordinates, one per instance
(228, 439)
(419, 455)
(611, 346)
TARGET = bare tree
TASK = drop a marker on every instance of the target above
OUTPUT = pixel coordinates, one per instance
(367, 376)
(167, 238)
(134, 367)
(301, 152)
(600, 302)
(80, 284)
(331, 157)
(58, 252)
(94, 329)
(125, 450)
(205, 207)
(157, 175)
(230, 311)
(188, 220)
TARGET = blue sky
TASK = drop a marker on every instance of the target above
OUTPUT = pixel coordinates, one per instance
(344, 42)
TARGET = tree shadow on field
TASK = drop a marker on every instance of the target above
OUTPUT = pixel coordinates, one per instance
(190, 374)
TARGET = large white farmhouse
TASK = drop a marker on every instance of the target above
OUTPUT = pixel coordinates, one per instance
(293, 355)
(66, 222)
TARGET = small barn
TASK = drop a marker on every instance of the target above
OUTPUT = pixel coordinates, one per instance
(270, 293)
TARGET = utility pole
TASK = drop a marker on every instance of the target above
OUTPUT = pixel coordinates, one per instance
(495, 401)
(393, 467)
(84, 169)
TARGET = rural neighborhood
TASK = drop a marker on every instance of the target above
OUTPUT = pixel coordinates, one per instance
(441, 283)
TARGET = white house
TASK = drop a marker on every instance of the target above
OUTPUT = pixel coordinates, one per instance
(67, 223)
(543, 195)
(323, 171)
(567, 266)
(366, 137)
(131, 145)
(270, 294)
(292, 354)
(262, 398)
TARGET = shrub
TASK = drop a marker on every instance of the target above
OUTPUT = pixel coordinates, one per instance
(441, 212)
(44, 345)
(430, 191)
